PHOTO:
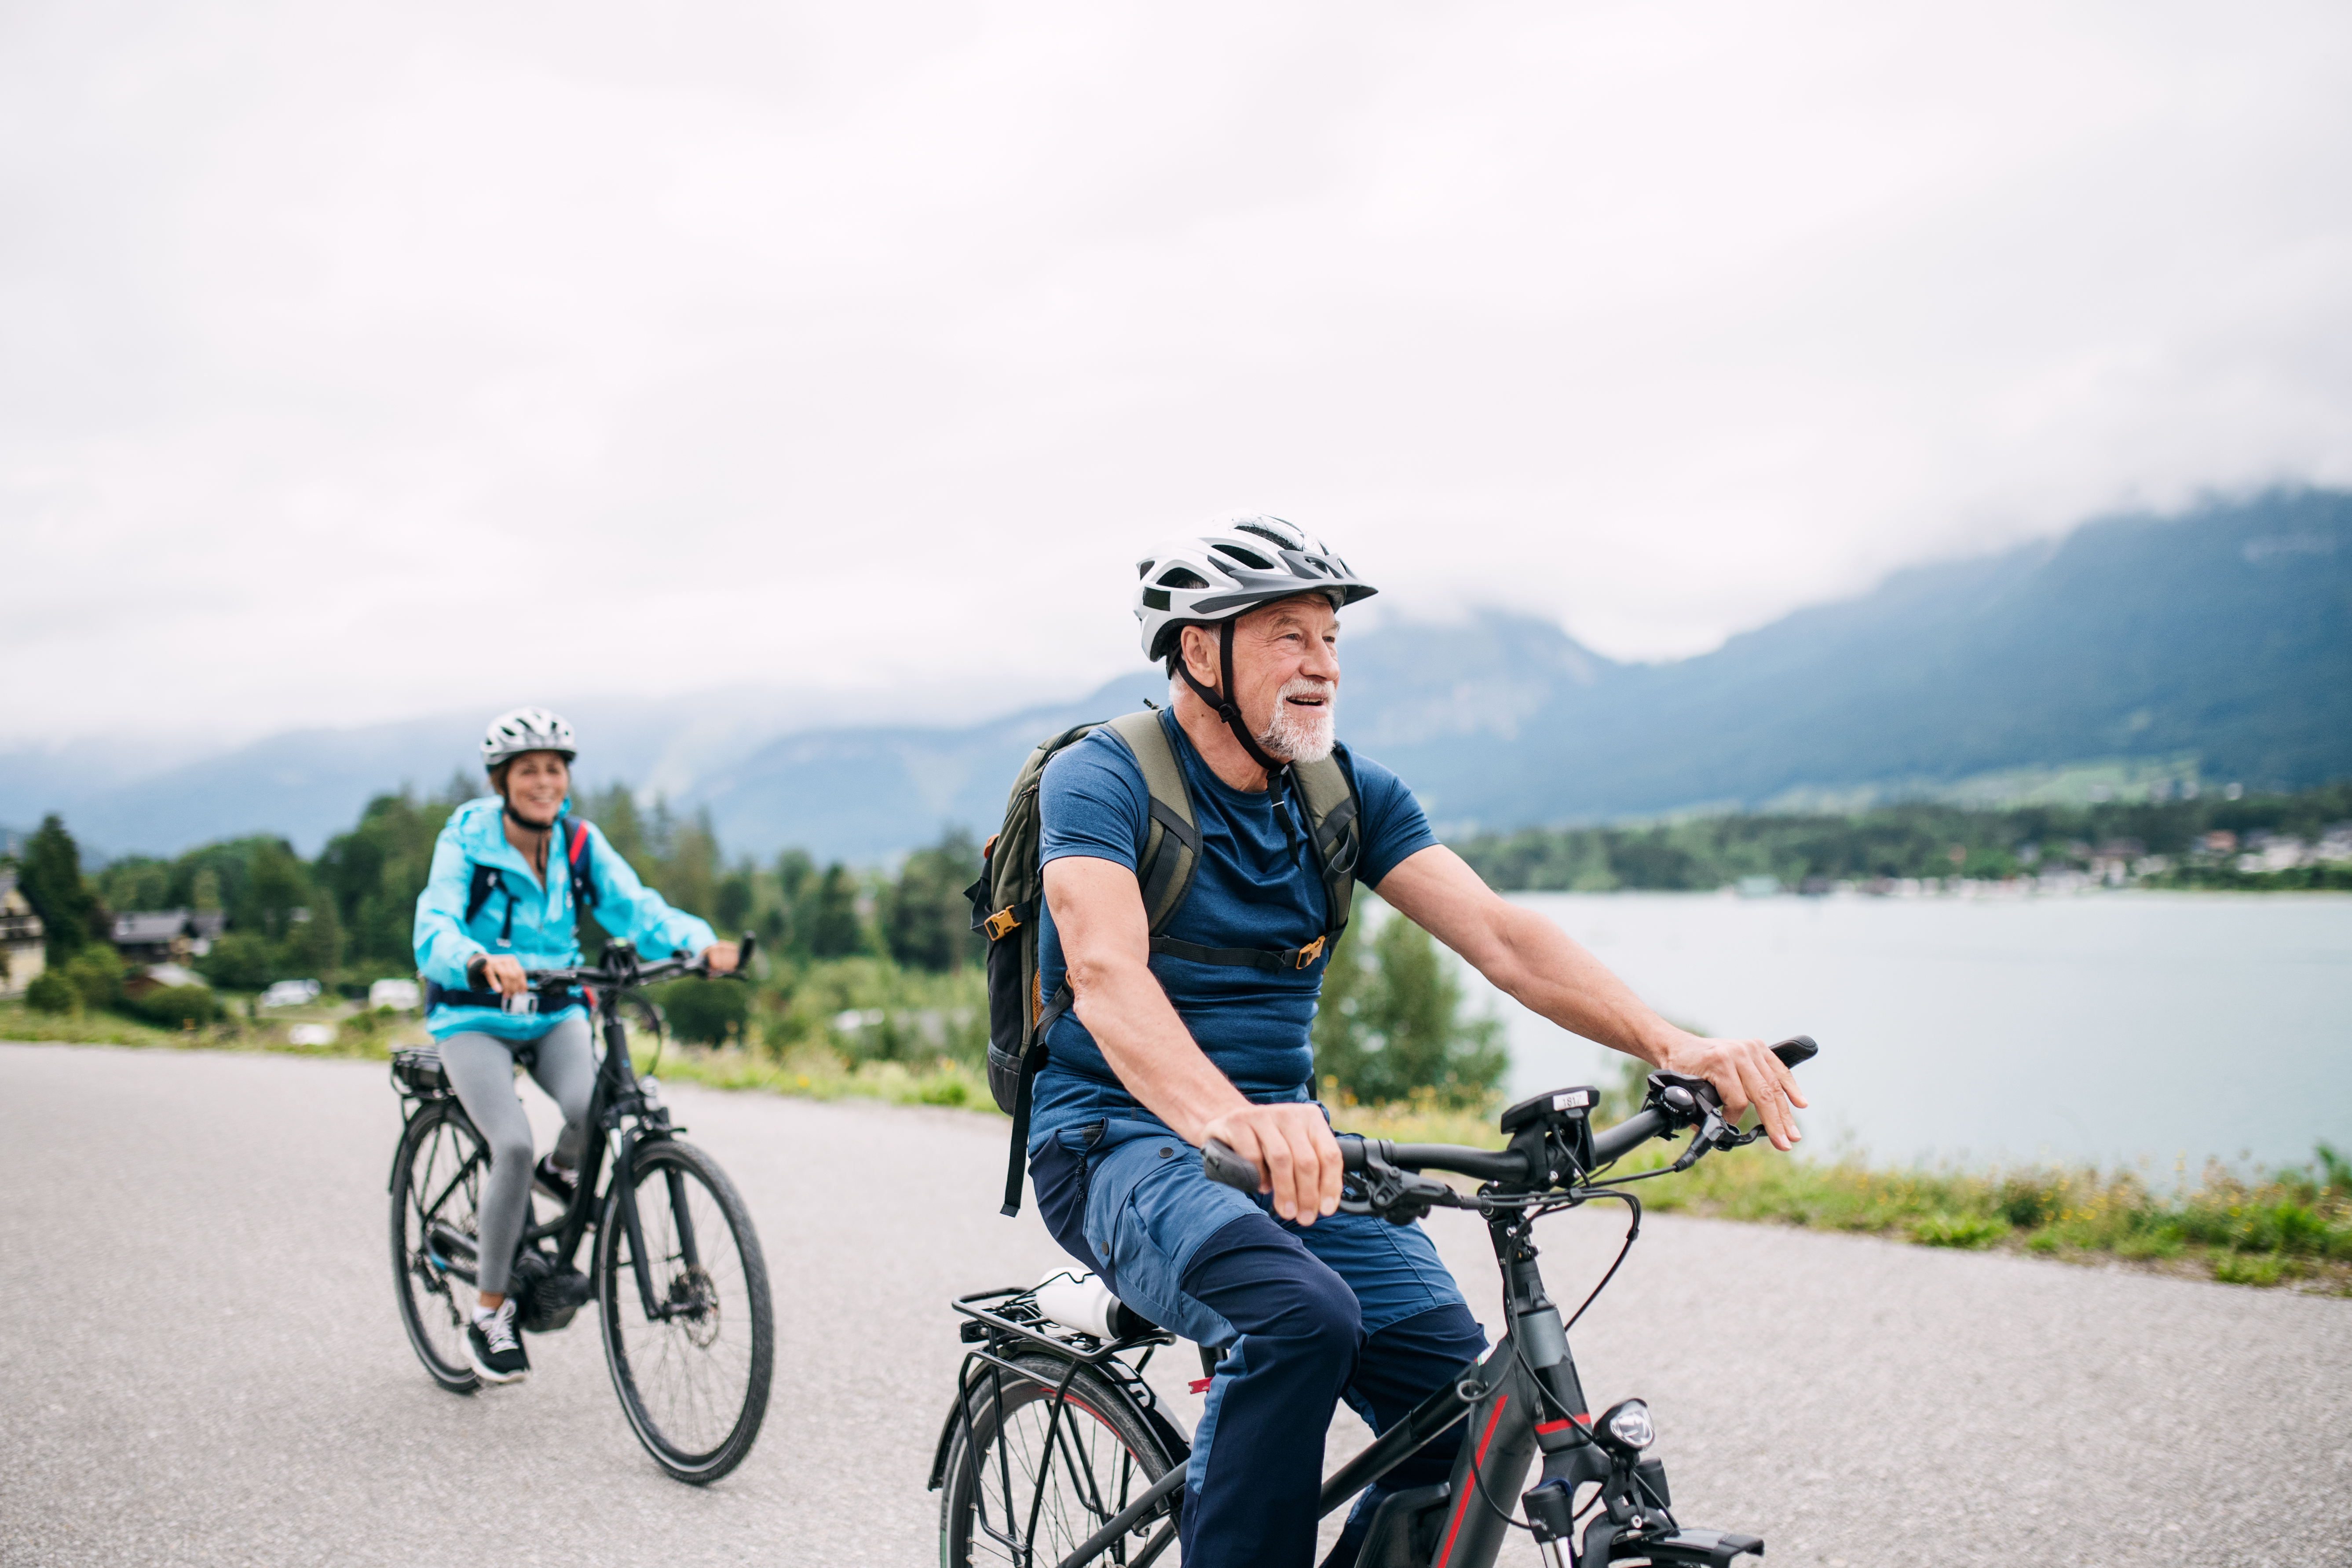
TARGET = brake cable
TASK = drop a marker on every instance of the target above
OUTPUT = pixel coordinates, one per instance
(1632, 1231)
(1543, 1395)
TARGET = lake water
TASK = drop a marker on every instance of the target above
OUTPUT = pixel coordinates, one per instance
(2114, 1026)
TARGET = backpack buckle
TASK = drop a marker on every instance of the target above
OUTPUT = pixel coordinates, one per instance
(1002, 920)
(1311, 952)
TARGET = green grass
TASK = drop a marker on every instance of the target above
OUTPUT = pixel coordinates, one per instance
(813, 1072)
(2262, 1229)
(357, 1035)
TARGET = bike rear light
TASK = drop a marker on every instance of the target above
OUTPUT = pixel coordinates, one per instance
(1625, 1427)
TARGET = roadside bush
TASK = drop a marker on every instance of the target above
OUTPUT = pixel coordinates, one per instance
(51, 992)
(238, 961)
(2026, 1199)
(96, 972)
(2231, 1269)
(175, 1006)
(1958, 1230)
(1390, 1025)
(705, 1012)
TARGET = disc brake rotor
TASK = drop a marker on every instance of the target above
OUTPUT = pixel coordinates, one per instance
(695, 1300)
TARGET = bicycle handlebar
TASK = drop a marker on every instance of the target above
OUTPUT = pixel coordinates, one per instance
(1681, 1102)
(1629, 1135)
(635, 975)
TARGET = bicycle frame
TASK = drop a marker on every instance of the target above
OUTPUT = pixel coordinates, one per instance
(627, 1117)
(1522, 1400)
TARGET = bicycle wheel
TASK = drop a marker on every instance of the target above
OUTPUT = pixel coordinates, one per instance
(693, 1373)
(1020, 1488)
(436, 1177)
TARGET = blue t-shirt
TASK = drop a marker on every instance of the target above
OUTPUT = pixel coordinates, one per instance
(1250, 890)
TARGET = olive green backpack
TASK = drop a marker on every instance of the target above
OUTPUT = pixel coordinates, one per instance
(1010, 893)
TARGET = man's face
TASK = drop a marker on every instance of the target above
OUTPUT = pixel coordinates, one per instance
(1286, 674)
(536, 783)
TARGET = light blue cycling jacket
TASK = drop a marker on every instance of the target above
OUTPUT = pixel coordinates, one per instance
(543, 917)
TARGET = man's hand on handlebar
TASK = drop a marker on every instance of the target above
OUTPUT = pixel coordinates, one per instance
(720, 957)
(1292, 1147)
(501, 972)
(1744, 1073)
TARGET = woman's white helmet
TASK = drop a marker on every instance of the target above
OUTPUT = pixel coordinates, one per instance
(512, 734)
(1236, 565)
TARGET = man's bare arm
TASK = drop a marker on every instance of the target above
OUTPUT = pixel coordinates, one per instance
(1533, 960)
(1107, 944)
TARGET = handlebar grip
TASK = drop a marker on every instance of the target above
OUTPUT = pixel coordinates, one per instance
(1796, 1051)
(744, 947)
(1219, 1164)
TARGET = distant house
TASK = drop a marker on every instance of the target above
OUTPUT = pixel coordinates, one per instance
(159, 936)
(21, 960)
(157, 975)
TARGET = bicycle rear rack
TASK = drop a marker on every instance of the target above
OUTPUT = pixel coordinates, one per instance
(1018, 1317)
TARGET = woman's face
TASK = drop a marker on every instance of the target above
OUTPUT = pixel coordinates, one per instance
(536, 783)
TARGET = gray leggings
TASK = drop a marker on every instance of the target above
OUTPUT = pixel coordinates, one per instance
(481, 1070)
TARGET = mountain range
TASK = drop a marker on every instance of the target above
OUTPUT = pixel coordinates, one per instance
(2215, 642)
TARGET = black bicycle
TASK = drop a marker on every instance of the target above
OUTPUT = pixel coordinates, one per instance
(1057, 1454)
(678, 1275)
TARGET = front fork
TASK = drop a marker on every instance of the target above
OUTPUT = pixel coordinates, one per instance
(627, 1094)
(1634, 1504)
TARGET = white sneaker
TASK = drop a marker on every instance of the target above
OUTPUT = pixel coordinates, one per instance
(494, 1346)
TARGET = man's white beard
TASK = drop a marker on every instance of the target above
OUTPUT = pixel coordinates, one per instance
(1303, 734)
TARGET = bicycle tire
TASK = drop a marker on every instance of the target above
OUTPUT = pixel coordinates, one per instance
(438, 1145)
(693, 1391)
(1099, 1420)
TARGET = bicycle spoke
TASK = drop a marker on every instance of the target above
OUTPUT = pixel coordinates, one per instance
(1058, 1473)
(694, 1372)
(438, 1186)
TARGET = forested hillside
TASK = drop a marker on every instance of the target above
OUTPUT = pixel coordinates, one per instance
(2216, 645)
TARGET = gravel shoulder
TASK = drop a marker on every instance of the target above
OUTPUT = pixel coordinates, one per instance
(203, 1363)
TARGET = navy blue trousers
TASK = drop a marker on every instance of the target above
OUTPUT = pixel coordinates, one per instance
(1350, 1308)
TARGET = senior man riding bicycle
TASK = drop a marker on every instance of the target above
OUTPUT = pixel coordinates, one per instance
(1161, 1051)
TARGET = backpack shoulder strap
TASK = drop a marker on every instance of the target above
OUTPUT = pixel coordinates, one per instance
(1172, 845)
(579, 853)
(486, 881)
(1334, 827)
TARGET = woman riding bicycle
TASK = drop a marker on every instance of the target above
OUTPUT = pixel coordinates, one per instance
(512, 874)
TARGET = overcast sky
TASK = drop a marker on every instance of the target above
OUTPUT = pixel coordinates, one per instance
(361, 362)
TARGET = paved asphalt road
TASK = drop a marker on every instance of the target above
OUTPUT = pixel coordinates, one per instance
(201, 1361)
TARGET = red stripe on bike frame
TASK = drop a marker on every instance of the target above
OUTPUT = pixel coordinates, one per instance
(1477, 1459)
(1576, 1420)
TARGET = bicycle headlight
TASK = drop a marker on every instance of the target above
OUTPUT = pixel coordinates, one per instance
(1625, 1427)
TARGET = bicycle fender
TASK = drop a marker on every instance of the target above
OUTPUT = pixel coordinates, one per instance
(939, 1453)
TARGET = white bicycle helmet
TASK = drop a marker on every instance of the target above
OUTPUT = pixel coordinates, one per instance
(512, 734)
(1240, 562)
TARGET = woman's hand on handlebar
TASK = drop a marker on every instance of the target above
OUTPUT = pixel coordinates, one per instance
(501, 972)
(1292, 1146)
(720, 957)
(1744, 1073)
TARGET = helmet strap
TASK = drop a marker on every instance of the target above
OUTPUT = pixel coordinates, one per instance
(1278, 772)
(506, 808)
